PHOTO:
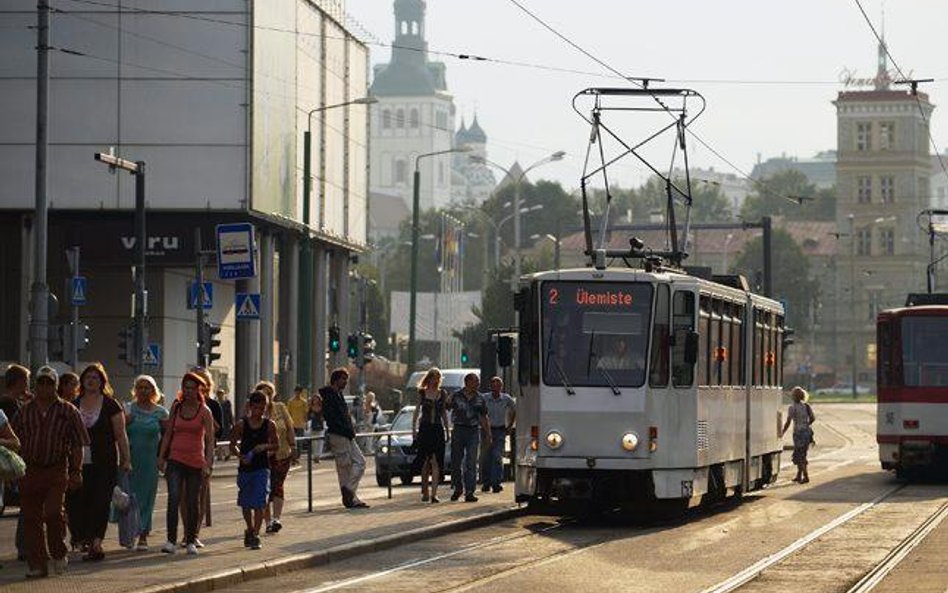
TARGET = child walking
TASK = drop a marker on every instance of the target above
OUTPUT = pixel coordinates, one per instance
(257, 437)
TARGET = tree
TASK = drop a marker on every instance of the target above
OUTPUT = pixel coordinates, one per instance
(791, 274)
(789, 194)
(708, 203)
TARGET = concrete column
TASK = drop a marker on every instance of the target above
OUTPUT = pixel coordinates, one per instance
(247, 359)
(289, 313)
(321, 318)
(267, 255)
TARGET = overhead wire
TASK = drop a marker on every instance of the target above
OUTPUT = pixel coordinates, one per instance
(637, 82)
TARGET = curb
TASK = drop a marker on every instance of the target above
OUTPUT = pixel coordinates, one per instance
(262, 570)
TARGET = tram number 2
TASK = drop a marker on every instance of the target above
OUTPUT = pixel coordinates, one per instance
(554, 296)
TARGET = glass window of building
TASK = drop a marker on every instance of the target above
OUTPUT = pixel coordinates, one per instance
(887, 189)
(414, 120)
(386, 119)
(887, 241)
(863, 242)
(864, 189)
(401, 171)
(863, 135)
(400, 118)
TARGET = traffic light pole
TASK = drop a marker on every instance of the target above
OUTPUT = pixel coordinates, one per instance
(202, 338)
(360, 352)
(72, 255)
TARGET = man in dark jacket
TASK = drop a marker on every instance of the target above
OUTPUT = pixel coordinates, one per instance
(340, 436)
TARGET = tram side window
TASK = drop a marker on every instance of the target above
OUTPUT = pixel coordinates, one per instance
(736, 354)
(768, 349)
(758, 365)
(716, 335)
(884, 367)
(778, 350)
(704, 342)
(683, 323)
(658, 364)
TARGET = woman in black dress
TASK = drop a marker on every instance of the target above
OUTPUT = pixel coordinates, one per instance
(428, 428)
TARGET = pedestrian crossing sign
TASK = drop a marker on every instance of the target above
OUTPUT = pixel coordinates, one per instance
(151, 357)
(248, 305)
(78, 290)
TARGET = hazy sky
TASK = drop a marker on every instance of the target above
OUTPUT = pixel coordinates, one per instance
(769, 70)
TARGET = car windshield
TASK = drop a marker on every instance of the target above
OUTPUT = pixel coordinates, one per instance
(402, 421)
(595, 333)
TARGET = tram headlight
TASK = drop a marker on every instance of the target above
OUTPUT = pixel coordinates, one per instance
(630, 441)
(554, 440)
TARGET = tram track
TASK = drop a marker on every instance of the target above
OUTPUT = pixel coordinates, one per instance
(895, 557)
(753, 571)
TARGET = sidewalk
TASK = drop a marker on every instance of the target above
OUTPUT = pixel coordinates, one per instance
(304, 539)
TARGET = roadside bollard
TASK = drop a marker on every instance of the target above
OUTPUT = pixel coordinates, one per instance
(388, 455)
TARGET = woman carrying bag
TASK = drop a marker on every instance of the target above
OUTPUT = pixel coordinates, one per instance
(144, 422)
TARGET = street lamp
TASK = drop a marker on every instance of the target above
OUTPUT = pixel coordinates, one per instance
(415, 207)
(556, 156)
(305, 356)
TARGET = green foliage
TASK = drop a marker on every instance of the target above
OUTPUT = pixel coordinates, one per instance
(791, 275)
(791, 195)
(708, 202)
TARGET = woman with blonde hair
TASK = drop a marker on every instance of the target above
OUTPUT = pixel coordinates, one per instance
(428, 423)
(281, 458)
(144, 422)
(801, 414)
(89, 506)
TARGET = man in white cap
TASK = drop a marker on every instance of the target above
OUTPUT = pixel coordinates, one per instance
(52, 438)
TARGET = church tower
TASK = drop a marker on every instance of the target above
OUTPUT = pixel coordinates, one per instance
(414, 116)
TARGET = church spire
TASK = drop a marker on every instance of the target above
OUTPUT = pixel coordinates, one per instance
(882, 69)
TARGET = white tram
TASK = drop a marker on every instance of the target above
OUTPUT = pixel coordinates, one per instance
(639, 386)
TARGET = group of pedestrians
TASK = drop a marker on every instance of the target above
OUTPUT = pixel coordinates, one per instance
(472, 415)
(78, 442)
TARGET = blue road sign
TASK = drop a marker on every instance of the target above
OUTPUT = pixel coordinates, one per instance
(235, 251)
(151, 357)
(205, 296)
(248, 305)
(79, 290)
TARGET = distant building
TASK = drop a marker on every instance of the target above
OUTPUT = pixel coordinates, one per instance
(883, 179)
(939, 181)
(734, 187)
(820, 170)
(472, 179)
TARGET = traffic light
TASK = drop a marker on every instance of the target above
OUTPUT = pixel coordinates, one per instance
(210, 343)
(504, 351)
(334, 342)
(352, 346)
(82, 336)
(465, 358)
(126, 345)
(368, 348)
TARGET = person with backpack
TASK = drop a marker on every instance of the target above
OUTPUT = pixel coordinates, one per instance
(802, 416)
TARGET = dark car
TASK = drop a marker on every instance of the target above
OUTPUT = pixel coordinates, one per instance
(399, 461)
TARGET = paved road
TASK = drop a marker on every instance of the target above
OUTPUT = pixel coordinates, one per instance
(627, 554)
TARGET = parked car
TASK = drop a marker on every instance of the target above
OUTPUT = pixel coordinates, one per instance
(843, 388)
(399, 461)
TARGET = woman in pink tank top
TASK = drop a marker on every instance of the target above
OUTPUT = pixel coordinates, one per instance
(186, 456)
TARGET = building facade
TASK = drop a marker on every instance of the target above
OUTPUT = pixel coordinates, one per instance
(215, 101)
(882, 175)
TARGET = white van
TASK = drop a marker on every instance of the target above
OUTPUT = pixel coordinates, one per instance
(451, 380)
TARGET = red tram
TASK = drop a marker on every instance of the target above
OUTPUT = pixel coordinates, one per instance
(912, 377)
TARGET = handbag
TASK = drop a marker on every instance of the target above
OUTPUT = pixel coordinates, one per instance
(12, 466)
(125, 512)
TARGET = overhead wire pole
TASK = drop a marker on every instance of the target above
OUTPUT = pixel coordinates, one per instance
(136, 168)
(304, 362)
(415, 238)
(39, 292)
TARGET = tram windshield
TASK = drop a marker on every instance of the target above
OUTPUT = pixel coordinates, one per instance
(924, 344)
(595, 334)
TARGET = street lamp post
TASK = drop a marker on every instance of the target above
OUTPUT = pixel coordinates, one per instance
(415, 208)
(556, 156)
(305, 356)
